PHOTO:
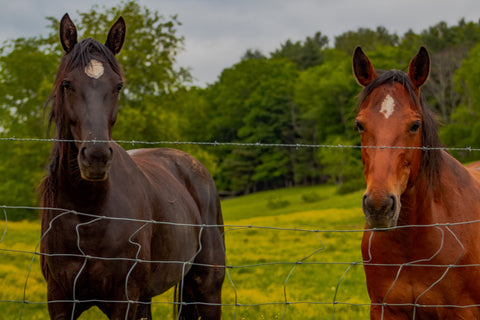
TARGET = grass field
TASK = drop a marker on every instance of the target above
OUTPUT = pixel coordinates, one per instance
(288, 255)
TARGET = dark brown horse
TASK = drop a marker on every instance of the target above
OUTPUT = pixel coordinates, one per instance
(425, 203)
(121, 227)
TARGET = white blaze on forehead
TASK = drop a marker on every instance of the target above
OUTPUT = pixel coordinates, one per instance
(388, 106)
(94, 69)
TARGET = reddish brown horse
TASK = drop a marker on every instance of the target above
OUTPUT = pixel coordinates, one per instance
(121, 227)
(425, 203)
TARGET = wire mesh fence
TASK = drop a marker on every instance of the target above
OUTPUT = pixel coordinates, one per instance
(275, 269)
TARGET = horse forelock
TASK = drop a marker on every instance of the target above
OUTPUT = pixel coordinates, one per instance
(431, 154)
(86, 50)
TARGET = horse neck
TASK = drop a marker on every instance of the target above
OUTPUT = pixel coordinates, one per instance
(421, 200)
(416, 203)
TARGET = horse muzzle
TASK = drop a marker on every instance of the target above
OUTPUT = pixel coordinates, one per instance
(94, 161)
(381, 212)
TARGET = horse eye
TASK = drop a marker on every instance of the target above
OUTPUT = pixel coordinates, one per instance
(414, 128)
(120, 86)
(359, 127)
(66, 85)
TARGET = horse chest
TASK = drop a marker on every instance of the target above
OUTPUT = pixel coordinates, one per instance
(419, 270)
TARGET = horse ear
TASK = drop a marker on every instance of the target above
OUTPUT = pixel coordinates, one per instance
(363, 68)
(68, 33)
(116, 36)
(419, 67)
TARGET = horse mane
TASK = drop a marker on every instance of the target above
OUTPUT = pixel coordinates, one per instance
(431, 158)
(79, 57)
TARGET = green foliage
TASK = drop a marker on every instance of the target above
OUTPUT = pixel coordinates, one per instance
(311, 197)
(227, 97)
(305, 54)
(466, 79)
(275, 202)
(367, 38)
(442, 36)
(25, 77)
(252, 102)
(464, 127)
(344, 166)
(464, 131)
(271, 120)
(324, 96)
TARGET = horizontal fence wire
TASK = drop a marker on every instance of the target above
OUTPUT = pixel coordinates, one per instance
(239, 144)
(229, 228)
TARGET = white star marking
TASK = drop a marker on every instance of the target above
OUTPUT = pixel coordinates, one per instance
(94, 69)
(388, 106)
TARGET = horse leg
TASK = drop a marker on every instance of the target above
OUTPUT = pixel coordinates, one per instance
(144, 310)
(62, 310)
(186, 309)
(203, 287)
(378, 312)
(205, 280)
(122, 311)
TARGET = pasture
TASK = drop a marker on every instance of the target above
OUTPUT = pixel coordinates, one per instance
(288, 254)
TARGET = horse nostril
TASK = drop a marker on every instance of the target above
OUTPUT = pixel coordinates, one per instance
(383, 205)
(365, 201)
(82, 152)
(393, 201)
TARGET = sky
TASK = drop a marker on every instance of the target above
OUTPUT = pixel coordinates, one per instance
(218, 32)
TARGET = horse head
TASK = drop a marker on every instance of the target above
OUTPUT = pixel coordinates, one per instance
(390, 120)
(86, 97)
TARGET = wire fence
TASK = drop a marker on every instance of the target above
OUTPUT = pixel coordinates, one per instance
(339, 272)
(239, 144)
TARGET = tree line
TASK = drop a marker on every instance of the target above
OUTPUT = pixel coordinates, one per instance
(302, 93)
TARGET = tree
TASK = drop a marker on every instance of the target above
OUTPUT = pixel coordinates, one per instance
(448, 46)
(367, 38)
(272, 119)
(343, 166)
(227, 98)
(324, 96)
(25, 80)
(305, 54)
(253, 54)
(252, 102)
(464, 127)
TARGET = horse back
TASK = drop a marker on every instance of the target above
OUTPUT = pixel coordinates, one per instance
(160, 164)
(474, 169)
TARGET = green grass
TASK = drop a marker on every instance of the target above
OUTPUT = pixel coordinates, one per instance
(296, 259)
(256, 205)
